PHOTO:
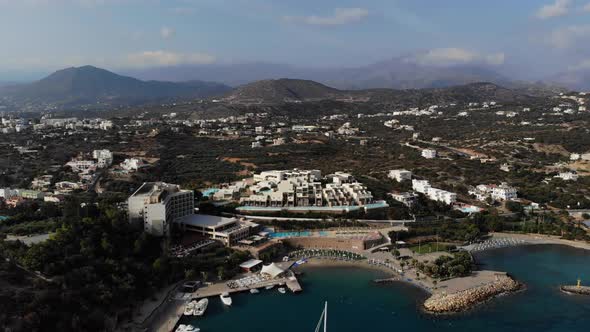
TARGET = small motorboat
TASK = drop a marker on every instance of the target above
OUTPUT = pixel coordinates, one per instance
(282, 290)
(254, 291)
(190, 328)
(226, 299)
(189, 309)
(269, 287)
(200, 307)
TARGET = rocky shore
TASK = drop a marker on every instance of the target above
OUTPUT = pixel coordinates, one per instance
(466, 299)
(581, 290)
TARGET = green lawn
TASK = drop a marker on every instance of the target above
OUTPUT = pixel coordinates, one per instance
(426, 248)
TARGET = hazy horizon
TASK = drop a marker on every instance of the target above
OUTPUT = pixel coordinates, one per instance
(529, 39)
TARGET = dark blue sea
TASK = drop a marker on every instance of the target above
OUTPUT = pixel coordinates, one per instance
(357, 304)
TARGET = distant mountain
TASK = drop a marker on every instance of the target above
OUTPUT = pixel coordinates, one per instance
(282, 90)
(573, 79)
(89, 84)
(395, 73)
(293, 90)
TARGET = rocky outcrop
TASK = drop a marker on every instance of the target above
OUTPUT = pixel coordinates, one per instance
(466, 299)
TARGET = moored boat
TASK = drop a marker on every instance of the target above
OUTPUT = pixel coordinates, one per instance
(226, 299)
(189, 308)
(254, 291)
(200, 307)
(282, 290)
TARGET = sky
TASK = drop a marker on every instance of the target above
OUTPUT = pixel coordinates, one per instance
(529, 37)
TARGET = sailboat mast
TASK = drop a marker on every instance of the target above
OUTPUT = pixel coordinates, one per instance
(326, 317)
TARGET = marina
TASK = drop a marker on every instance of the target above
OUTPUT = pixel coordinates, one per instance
(365, 304)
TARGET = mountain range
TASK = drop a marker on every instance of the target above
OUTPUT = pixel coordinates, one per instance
(395, 73)
(88, 84)
(295, 90)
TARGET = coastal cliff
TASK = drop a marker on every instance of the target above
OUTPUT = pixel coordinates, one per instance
(466, 299)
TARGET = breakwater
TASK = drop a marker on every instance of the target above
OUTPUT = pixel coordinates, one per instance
(468, 298)
(574, 289)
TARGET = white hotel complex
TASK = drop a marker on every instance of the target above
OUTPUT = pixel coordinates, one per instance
(293, 188)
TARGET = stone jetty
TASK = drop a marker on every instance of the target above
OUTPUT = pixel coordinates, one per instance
(466, 299)
(573, 289)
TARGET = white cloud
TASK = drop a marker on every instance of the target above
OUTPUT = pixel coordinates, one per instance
(558, 8)
(167, 32)
(582, 65)
(339, 17)
(564, 38)
(165, 58)
(454, 56)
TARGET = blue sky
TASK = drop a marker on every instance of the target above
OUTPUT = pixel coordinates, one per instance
(534, 37)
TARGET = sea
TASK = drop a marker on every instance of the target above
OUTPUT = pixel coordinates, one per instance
(355, 303)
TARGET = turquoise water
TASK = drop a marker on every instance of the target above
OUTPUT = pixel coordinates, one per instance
(280, 235)
(356, 304)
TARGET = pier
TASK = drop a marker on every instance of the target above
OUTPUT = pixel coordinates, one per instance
(175, 306)
(217, 289)
(575, 289)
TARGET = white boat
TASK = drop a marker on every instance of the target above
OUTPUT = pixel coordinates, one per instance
(201, 307)
(254, 291)
(189, 308)
(282, 290)
(226, 299)
(181, 328)
(190, 328)
(301, 262)
(270, 287)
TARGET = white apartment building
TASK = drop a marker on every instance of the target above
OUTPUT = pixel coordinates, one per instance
(568, 176)
(132, 164)
(504, 192)
(429, 153)
(82, 166)
(406, 198)
(435, 194)
(104, 158)
(400, 175)
(156, 205)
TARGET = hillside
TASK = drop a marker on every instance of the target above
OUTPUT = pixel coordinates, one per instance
(282, 90)
(90, 85)
(291, 90)
(573, 79)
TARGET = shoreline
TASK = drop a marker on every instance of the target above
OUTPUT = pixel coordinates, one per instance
(467, 292)
(540, 239)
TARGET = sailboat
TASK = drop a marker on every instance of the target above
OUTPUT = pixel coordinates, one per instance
(324, 319)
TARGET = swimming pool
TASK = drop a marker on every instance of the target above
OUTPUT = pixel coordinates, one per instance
(280, 235)
(210, 191)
